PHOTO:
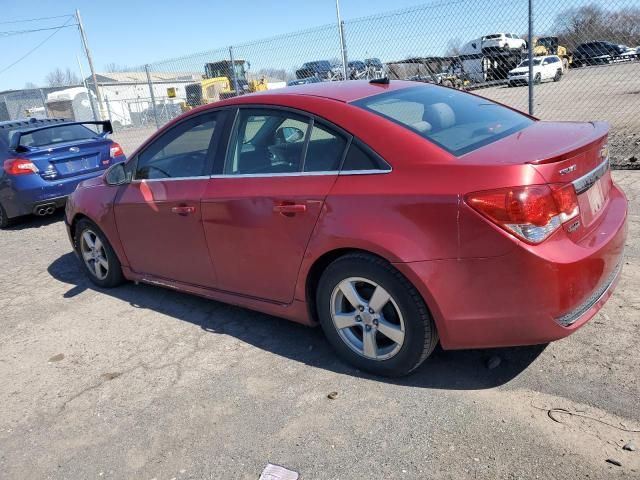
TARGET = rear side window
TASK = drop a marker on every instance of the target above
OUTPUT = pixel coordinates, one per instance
(324, 151)
(61, 134)
(359, 159)
(456, 121)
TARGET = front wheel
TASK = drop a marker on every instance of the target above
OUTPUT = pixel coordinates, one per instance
(98, 258)
(373, 316)
(537, 80)
(558, 76)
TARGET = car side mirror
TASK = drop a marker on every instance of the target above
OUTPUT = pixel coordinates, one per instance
(116, 175)
(290, 134)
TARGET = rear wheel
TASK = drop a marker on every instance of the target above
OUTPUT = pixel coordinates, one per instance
(373, 317)
(537, 80)
(98, 258)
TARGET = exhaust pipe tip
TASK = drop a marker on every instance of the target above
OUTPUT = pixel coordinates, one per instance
(44, 210)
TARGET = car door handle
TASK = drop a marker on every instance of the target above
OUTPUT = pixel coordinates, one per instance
(183, 210)
(290, 208)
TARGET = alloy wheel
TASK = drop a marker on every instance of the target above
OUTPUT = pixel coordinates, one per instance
(94, 254)
(367, 318)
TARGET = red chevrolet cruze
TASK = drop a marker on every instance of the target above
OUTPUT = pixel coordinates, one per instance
(395, 214)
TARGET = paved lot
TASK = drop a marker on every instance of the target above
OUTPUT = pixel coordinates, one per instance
(141, 382)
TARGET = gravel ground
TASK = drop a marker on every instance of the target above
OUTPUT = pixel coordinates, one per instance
(142, 382)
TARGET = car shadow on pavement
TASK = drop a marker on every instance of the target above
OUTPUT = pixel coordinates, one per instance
(34, 221)
(455, 370)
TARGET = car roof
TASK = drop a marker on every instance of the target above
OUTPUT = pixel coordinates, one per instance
(345, 91)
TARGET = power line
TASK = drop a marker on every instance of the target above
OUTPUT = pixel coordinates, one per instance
(36, 47)
(11, 33)
(35, 19)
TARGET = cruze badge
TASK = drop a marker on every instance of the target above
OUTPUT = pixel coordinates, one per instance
(570, 169)
(74, 149)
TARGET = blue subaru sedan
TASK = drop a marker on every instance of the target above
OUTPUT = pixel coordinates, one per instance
(44, 160)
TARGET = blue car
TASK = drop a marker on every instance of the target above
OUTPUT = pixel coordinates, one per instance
(44, 160)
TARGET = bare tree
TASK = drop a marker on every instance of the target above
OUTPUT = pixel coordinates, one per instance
(592, 22)
(454, 47)
(115, 67)
(62, 78)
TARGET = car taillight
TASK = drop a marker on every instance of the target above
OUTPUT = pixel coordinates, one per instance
(115, 150)
(19, 166)
(532, 213)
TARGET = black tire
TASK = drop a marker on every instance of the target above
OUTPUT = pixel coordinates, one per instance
(558, 76)
(5, 221)
(420, 334)
(114, 276)
(537, 80)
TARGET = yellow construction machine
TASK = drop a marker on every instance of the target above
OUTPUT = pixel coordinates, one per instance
(550, 46)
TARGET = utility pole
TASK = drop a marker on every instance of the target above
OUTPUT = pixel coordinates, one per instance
(84, 82)
(343, 46)
(90, 61)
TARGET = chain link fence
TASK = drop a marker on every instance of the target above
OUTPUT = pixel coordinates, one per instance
(585, 64)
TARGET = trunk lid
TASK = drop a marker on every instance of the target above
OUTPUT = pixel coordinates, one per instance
(562, 153)
(71, 159)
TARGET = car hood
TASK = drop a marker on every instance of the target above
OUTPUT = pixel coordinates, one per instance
(522, 70)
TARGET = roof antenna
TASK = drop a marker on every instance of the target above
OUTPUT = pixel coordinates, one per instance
(380, 81)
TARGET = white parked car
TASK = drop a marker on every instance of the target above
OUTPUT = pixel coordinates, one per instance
(544, 68)
(503, 42)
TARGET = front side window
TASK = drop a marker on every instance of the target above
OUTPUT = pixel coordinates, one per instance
(456, 121)
(181, 152)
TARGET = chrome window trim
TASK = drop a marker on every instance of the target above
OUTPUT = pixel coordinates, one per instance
(304, 174)
(585, 182)
(168, 179)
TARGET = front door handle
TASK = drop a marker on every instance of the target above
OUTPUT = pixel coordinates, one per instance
(183, 210)
(290, 208)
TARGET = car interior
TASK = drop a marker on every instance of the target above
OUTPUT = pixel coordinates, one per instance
(276, 148)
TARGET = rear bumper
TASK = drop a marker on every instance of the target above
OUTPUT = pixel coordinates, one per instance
(26, 193)
(529, 296)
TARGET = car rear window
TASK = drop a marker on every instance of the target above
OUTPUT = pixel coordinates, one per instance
(454, 120)
(491, 37)
(59, 134)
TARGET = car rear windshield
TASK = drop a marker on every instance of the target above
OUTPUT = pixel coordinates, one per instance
(59, 134)
(454, 120)
(491, 37)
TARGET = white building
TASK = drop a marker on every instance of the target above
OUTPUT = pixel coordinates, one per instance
(126, 96)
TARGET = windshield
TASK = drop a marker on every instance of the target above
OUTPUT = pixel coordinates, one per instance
(456, 121)
(525, 63)
(491, 37)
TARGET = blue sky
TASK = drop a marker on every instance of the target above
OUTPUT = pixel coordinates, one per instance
(138, 32)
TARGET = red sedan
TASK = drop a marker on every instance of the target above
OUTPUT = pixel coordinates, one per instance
(395, 215)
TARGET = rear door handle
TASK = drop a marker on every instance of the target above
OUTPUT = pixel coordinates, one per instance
(290, 208)
(183, 210)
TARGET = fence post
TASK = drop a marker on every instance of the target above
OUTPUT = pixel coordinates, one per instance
(234, 77)
(530, 49)
(343, 45)
(106, 101)
(153, 97)
(44, 102)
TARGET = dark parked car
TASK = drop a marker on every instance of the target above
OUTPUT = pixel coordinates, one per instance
(43, 161)
(357, 69)
(394, 214)
(596, 53)
(319, 68)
